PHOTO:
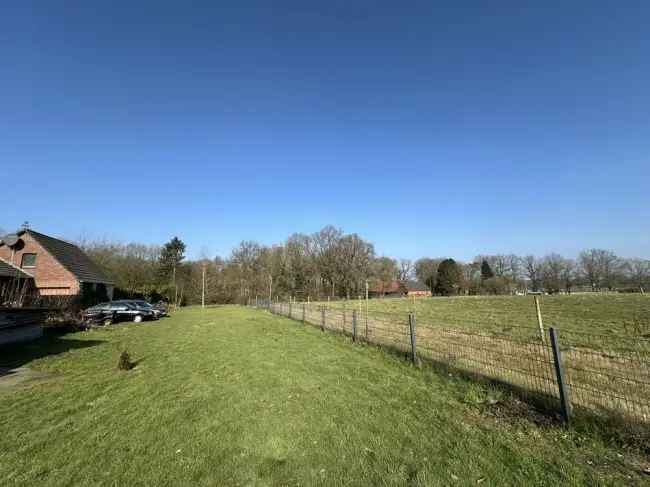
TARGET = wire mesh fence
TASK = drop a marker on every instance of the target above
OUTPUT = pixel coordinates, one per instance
(602, 375)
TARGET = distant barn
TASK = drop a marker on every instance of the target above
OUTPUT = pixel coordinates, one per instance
(417, 288)
(399, 289)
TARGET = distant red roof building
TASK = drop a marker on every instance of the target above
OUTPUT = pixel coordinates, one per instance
(397, 288)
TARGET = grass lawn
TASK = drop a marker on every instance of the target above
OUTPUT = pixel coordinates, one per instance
(606, 314)
(235, 396)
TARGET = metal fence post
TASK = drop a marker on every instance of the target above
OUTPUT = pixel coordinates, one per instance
(322, 318)
(354, 325)
(412, 329)
(565, 404)
(303, 313)
(290, 307)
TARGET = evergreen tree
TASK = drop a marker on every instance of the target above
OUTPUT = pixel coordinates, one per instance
(486, 271)
(449, 278)
(171, 256)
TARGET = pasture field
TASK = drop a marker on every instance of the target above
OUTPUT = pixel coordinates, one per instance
(237, 396)
(591, 313)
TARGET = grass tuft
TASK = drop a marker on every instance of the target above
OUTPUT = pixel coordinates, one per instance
(125, 361)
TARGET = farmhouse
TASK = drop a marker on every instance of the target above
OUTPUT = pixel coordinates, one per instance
(398, 289)
(387, 289)
(58, 268)
(416, 288)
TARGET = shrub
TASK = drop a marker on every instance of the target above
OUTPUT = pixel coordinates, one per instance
(125, 361)
(496, 285)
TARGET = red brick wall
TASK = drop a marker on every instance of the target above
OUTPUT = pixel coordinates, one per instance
(419, 293)
(50, 276)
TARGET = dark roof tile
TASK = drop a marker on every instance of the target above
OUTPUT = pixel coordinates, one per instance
(71, 257)
(7, 269)
(416, 286)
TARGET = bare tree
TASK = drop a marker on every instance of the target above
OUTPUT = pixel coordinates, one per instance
(612, 269)
(353, 259)
(405, 270)
(472, 280)
(532, 271)
(513, 266)
(552, 269)
(325, 243)
(600, 268)
(384, 272)
(569, 274)
(426, 271)
(638, 271)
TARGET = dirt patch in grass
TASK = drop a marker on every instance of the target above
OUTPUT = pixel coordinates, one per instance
(512, 409)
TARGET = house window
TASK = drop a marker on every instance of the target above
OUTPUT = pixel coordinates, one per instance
(29, 260)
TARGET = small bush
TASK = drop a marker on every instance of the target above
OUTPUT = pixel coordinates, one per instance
(125, 361)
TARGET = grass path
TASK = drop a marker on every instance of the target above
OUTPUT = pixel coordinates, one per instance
(234, 396)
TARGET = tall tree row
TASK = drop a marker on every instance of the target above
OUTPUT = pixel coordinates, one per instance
(333, 264)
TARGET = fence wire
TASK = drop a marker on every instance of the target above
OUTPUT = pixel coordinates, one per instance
(604, 375)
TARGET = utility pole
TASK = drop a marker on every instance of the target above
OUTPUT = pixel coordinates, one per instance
(175, 287)
(203, 286)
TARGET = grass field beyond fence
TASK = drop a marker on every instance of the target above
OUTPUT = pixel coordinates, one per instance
(606, 370)
(593, 313)
(233, 396)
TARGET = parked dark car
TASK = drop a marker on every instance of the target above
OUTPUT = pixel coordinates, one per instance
(158, 310)
(163, 307)
(114, 311)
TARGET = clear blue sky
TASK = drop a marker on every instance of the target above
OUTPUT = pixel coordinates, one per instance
(429, 128)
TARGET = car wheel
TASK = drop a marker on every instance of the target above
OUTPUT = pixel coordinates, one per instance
(137, 319)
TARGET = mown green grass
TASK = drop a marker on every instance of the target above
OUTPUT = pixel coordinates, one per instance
(234, 396)
(606, 314)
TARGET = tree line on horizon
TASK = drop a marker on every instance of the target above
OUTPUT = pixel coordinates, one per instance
(331, 263)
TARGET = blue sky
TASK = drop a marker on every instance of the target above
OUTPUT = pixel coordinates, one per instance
(429, 128)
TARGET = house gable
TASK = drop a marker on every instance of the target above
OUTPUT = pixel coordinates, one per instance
(71, 257)
(50, 276)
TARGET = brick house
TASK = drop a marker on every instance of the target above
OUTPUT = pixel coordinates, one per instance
(59, 268)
